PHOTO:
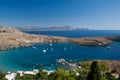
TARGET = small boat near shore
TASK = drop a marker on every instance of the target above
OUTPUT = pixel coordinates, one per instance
(34, 47)
(50, 44)
(108, 48)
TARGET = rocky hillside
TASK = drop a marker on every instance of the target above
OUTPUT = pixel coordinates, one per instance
(11, 38)
(8, 30)
(91, 41)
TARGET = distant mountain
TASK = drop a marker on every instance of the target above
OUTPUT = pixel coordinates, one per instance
(53, 28)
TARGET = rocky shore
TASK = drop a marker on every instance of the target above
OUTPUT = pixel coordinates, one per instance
(11, 38)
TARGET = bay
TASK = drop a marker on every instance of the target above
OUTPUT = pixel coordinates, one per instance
(31, 57)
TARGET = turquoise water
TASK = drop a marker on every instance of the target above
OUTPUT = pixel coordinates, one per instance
(30, 57)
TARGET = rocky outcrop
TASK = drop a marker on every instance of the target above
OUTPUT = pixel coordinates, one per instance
(114, 38)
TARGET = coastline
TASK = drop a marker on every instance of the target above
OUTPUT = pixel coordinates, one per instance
(113, 65)
(34, 72)
(25, 40)
(12, 38)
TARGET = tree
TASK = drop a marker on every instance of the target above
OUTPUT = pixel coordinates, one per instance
(103, 67)
(84, 71)
(110, 77)
(41, 75)
(94, 71)
(2, 76)
(103, 78)
(25, 77)
(61, 74)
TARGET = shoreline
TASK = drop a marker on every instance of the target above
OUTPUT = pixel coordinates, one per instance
(13, 75)
(12, 38)
(111, 63)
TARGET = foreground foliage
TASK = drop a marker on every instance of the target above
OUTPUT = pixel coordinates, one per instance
(89, 71)
(61, 74)
(2, 76)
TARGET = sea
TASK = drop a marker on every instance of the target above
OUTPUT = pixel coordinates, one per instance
(47, 54)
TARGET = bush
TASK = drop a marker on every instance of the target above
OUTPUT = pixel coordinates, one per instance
(2, 76)
(61, 74)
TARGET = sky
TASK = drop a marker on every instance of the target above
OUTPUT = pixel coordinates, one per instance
(92, 14)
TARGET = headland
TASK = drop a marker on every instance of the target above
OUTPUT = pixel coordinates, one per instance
(11, 38)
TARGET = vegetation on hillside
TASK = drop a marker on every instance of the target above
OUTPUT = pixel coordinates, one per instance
(90, 71)
(2, 76)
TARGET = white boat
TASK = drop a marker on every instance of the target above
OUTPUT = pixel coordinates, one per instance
(108, 47)
(34, 47)
(65, 48)
(50, 44)
(44, 50)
